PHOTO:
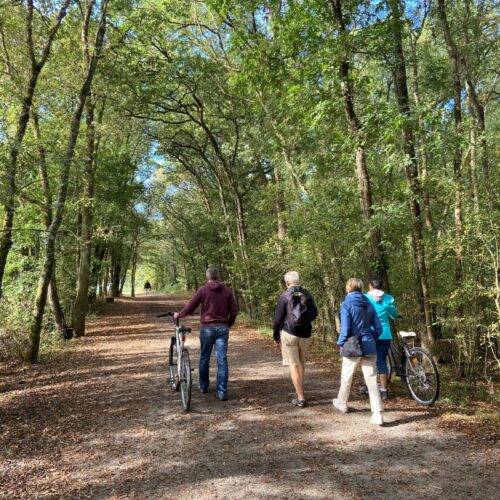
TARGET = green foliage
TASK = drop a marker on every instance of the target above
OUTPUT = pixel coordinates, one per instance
(14, 330)
(222, 139)
(14, 333)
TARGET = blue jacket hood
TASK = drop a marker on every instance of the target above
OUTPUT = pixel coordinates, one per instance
(357, 299)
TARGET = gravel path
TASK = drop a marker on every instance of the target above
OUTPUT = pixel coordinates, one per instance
(100, 422)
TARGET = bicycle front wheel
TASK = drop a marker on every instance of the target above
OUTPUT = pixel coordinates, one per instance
(173, 375)
(422, 376)
(186, 381)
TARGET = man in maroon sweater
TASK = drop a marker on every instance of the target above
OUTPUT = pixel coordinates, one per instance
(217, 315)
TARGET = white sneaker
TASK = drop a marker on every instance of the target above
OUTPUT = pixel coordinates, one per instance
(340, 407)
(377, 418)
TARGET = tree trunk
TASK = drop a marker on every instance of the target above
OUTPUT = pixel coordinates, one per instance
(50, 245)
(457, 170)
(116, 269)
(22, 124)
(134, 270)
(124, 271)
(411, 166)
(459, 59)
(105, 281)
(280, 210)
(473, 165)
(80, 305)
(97, 275)
(123, 279)
(10, 178)
(457, 156)
(424, 157)
(329, 291)
(378, 265)
(54, 302)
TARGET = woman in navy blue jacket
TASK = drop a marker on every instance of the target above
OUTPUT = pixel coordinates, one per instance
(358, 318)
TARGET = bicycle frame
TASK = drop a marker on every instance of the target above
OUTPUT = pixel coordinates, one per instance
(180, 339)
(402, 352)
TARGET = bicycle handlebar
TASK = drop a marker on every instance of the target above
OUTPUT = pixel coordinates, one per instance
(164, 314)
(185, 329)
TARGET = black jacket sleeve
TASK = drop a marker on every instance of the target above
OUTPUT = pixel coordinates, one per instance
(279, 317)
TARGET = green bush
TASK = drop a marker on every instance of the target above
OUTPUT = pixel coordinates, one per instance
(14, 329)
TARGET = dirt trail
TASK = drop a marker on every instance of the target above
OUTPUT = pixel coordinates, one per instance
(100, 422)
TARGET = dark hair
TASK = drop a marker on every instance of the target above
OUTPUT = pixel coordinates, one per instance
(377, 283)
(213, 274)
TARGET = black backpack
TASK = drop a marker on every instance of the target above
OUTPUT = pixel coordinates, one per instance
(298, 312)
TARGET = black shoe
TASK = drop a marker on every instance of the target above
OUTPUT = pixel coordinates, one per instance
(203, 391)
(300, 403)
(221, 397)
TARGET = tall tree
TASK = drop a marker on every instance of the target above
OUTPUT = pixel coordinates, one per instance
(457, 155)
(379, 265)
(49, 257)
(36, 65)
(411, 165)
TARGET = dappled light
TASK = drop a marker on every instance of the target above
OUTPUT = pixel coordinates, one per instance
(102, 421)
(324, 171)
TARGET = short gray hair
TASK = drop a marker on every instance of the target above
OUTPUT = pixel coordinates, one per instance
(212, 274)
(292, 277)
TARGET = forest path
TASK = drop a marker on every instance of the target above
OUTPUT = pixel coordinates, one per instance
(100, 422)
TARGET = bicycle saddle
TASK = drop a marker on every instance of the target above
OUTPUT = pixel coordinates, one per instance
(407, 334)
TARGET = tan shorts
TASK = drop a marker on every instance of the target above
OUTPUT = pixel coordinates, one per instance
(293, 349)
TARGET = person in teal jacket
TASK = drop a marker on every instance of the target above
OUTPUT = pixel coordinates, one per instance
(385, 309)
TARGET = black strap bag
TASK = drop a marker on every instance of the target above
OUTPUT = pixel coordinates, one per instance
(352, 347)
(298, 312)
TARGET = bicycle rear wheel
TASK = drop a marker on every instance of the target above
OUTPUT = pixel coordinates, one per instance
(173, 376)
(422, 376)
(186, 381)
(390, 369)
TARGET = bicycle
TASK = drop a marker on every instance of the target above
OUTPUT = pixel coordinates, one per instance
(179, 363)
(417, 369)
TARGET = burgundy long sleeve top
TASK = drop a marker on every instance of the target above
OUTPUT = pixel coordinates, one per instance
(218, 306)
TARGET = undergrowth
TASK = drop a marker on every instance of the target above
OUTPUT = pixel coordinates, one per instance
(478, 399)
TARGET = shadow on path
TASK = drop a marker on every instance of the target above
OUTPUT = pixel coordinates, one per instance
(101, 422)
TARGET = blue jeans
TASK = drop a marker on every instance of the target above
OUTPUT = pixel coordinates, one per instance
(382, 351)
(210, 336)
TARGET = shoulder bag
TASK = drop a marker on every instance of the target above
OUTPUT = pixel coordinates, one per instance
(352, 347)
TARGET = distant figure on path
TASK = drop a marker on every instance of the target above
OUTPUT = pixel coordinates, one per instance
(359, 319)
(217, 315)
(147, 287)
(295, 312)
(383, 303)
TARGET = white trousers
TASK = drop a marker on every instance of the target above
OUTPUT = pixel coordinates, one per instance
(369, 369)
